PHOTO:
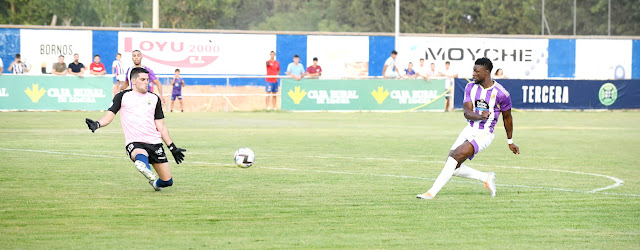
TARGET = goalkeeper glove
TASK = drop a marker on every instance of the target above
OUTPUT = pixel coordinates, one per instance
(93, 125)
(177, 153)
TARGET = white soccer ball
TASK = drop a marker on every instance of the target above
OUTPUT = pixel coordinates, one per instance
(244, 157)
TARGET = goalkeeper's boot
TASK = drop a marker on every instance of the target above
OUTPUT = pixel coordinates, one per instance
(155, 185)
(491, 183)
(425, 196)
(145, 171)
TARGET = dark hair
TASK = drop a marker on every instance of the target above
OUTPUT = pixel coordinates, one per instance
(448, 63)
(118, 54)
(394, 52)
(485, 62)
(76, 54)
(499, 69)
(296, 55)
(421, 59)
(135, 51)
(315, 59)
(18, 55)
(177, 70)
(61, 56)
(96, 55)
(272, 52)
(136, 71)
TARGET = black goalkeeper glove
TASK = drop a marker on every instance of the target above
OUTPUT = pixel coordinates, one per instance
(93, 125)
(177, 153)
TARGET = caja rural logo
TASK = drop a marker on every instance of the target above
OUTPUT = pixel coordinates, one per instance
(193, 54)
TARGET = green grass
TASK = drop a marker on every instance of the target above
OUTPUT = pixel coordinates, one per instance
(322, 180)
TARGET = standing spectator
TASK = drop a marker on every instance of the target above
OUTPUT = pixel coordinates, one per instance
(433, 72)
(422, 70)
(59, 68)
(96, 67)
(136, 57)
(390, 66)
(296, 69)
(177, 83)
(448, 83)
(409, 72)
(17, 66)
(76, 68)
(116, 69)
(273, 69)
(499, 74)
(314, 70)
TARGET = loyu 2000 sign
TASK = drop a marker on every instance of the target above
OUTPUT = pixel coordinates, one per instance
(199, 53)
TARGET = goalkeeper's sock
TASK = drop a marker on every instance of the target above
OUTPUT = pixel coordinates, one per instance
(144, 159)
(162, 183)
(445, 175)
(467, 172)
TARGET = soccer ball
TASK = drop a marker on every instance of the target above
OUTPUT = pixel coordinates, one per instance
(244, 157)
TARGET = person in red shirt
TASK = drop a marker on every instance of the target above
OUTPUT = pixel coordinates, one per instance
(96, 67)
(273, 69)
(314, 70)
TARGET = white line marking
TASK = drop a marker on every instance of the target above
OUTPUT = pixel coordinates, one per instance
(618, 181)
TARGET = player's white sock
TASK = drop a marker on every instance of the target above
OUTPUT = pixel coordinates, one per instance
(467, 172)
(445, 175)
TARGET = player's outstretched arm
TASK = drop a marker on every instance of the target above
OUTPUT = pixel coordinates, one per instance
(177, 152)
(473, 116)
(102, 122)
(507, 119)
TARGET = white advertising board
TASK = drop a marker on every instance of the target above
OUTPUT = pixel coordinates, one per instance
(599, 59)
(519, 58)
(198, 53)
(339, 55)
(42, 47)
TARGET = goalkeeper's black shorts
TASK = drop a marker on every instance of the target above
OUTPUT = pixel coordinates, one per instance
(155, 151)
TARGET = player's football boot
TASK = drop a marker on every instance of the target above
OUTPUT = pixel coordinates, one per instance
(145, 171)
(491, 183)
(425, 196)
(155, 186)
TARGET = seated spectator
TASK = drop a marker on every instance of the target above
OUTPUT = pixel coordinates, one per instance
(96, 67)
(314, 70)
(499, 74)
(409, 72)
(76, 68)
(17, 66)
(59, 68)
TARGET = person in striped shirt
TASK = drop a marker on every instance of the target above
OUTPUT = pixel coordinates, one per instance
(484, 101)
(17, 67)
(116, 69)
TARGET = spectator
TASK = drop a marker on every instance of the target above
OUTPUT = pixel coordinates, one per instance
(1, 66)
(18, 67)
(76, 68)
(422, 70)
(448, 83)
(409, 72)
(433, 72)
(499, 74)
(314, 70)
(390, 66)
(59, 68)
(296, 69)
(116, 69)
(271, 86)
(177, 83)
(96, 67)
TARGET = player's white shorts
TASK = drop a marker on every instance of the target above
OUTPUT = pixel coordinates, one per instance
(121, 78)
(480, 139)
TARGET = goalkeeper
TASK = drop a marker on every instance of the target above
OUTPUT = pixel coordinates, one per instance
(144, 130)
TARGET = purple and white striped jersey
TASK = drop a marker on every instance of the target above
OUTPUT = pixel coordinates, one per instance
(494, 99)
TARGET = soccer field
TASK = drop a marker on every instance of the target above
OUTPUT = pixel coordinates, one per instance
(321, 180)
